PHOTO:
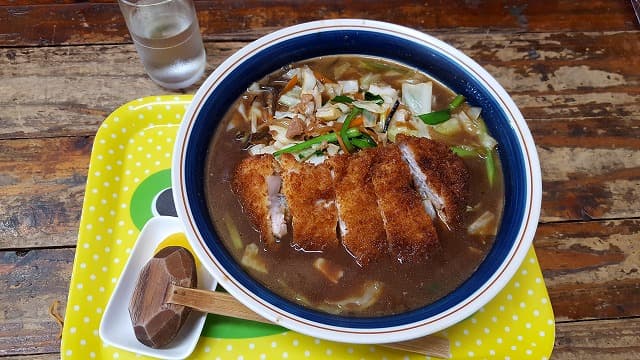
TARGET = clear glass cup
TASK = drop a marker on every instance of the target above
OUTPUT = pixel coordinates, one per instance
(167, 37)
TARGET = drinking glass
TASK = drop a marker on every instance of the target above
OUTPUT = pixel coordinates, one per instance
(167, 37)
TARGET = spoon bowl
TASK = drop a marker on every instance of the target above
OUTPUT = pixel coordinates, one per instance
(116, 328)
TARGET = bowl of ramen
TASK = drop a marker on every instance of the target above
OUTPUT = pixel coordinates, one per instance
(357, 181)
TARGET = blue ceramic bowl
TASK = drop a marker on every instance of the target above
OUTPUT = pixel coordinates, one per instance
(448, 65)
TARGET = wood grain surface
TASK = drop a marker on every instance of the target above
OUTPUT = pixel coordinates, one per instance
(44, 23)
(572, 67)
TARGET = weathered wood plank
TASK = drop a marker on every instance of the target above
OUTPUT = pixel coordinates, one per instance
(34, 279)
(49, 356)
(68, 91)
(42, 184)
(31, 282)
(25, 23)
(592, 269)
(603, 339)
(611, 191)
(562, 75)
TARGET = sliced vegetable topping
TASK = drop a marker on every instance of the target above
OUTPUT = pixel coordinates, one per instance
(375, 98)
(361, 144)
(292, 82)
(464, 151)
(486, 154)
(345, 127)
(457, 101)
(331, 137)
(435, 117)
(438, 117)
(358, 111)
(342, 99)
(491, 166)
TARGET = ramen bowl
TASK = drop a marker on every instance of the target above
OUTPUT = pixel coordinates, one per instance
(520, 166)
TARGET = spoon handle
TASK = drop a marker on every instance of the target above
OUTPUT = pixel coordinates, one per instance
(212, 302)
(221, 303)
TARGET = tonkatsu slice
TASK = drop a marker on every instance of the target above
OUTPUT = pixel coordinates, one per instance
(311, 203)
(361, 226)
(257, 183)
(411, 235)
(439, 175)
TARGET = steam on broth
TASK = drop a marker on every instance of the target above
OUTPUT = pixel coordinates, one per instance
(310, 145)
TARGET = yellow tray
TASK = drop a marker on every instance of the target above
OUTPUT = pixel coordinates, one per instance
(129, 182)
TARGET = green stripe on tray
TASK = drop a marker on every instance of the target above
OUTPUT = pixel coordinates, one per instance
(224, 327)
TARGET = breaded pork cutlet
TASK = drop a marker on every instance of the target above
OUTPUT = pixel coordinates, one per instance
(411, 235)
(361, 226)
(439, 175)
(257, 184)
(311, 201)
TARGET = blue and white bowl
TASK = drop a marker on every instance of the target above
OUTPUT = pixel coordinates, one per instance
(451, 67)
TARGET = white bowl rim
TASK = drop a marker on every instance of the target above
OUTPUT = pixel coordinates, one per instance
(427, 326)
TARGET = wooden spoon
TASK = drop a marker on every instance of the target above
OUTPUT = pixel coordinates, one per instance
(158, 299)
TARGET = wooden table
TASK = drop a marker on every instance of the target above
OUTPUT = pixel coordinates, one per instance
(573, 68)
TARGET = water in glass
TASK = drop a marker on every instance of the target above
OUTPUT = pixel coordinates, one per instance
(170, 47)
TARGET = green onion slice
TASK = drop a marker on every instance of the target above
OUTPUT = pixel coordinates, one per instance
(342, 99)
(457, 101)
(490, 166)
(438, 117)
(345, 126)
(464, 151)
(361, 143)
(368, 139)
(375, 98)
(435, 117)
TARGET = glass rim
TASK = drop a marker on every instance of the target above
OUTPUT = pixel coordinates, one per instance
(137, 5)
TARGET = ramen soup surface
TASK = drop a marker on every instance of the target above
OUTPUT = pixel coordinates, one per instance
(330, 280)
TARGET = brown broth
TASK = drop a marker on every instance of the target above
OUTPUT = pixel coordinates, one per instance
(291, 274)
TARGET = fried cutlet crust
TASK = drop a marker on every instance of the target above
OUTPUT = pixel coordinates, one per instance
(365, 237)
(311, 200)
(249, 183)
(411, 235)
(372, 193)
(445, 172)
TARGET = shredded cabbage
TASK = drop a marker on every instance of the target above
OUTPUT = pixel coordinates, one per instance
(349, 86)
(279, 134)
(370, 293)
(279, 115)
(328, 112)
(333, 90)
(417, 97)
(369, 105)
(388, 94)
(370, 119)
(449, 127)
(292, 97)
(308, 80)
(483, 225)
(251, 259)
(367, 80)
